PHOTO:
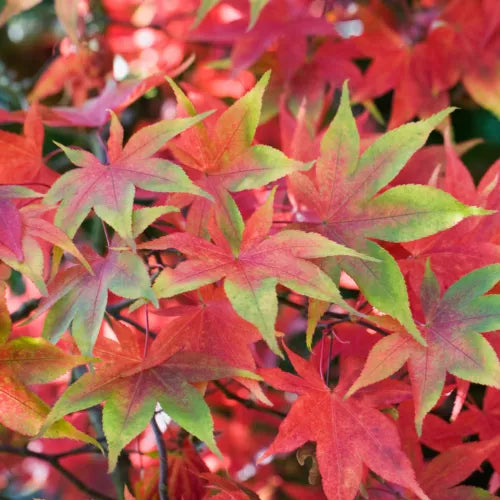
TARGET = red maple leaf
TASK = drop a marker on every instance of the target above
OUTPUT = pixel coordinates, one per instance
(348, 433)
(251, 269)
(21, 160)
(206, 322)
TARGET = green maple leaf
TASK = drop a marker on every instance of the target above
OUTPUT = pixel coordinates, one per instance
(452, 328)
(343, 203)
(109, 189)
(132, 384)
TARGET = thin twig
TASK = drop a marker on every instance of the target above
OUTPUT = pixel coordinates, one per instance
(162, 453)
(119, 306)
(106, 235)
(54, 462)
(247, 403)
(330, 349)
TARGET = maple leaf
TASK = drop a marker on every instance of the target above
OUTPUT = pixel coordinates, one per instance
(94, 112)
(440, 477)
(24, 230)
(452, 328)
(468, 245)
(206, 322)
(348, 433)
(109, 189)
(482, 421)
(343, 204)
(286, 24)
(78, 73)
(227, 161)
(132, 383)
(476, 24)
(253, 270)
(420, 72)
(21, 156)
(79, 299)
(25, 361)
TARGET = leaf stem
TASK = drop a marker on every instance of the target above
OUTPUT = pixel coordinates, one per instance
(341, 316)
(105, 229)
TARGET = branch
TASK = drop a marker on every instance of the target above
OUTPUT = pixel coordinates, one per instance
(162, 452)
(341, 316)
(24, 310)
(53, 460)
(247, 403)
(117, 307)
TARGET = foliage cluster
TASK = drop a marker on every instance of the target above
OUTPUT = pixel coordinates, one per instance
(241, 255)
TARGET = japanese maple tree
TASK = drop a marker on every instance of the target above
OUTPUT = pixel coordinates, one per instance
(249, 249)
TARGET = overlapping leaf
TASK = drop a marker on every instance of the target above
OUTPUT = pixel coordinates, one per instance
(252, 271)
(21, 158)
(348, 434)
(471, 243)
(109, 189)
(207, 323)
(227, 161)
(25, 361)
(452, 327)
(131, 384)
(442, 476)
(78, 298)
(344, 205)
(23, 233)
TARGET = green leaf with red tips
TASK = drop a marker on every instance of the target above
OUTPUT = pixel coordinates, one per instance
(25, 361)
(109, 189)
(223, 153)
(452, 328)
(79, 299)
(132, 385)
(343, 204)
(252, 270)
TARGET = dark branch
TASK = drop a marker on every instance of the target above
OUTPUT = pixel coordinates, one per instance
(117, 307)
(341, 316)
(248, 403)
(24, 310)
(53, 460)
(162, 453)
